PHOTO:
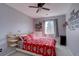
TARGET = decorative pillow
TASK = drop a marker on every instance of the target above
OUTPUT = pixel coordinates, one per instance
(29, 37)
(25, 38)
(22, 38)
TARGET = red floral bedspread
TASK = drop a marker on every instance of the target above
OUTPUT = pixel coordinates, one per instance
(43, 46)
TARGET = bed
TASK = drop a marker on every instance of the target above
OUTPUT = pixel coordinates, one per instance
(42, 45)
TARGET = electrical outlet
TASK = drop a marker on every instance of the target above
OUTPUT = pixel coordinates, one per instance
(0, 49)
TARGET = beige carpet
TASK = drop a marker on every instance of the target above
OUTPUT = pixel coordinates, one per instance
(60, 51)
(17, 53)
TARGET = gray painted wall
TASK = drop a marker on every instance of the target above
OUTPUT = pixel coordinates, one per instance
(73, 35)
(12, 20)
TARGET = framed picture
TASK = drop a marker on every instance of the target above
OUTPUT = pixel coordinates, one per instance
(38, 26)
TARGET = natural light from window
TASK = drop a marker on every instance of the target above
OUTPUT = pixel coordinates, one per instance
(49, 27)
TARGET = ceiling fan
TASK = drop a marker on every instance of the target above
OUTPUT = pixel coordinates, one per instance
(39, 6)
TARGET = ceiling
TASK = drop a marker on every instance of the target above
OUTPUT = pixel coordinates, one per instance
(55, 9)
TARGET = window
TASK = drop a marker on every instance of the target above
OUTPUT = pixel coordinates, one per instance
(49, 27)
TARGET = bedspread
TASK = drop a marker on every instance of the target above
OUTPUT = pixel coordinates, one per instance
(43, 46)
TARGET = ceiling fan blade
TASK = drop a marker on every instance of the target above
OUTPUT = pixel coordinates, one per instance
(37, 10)
(33, 6)
(45, 8)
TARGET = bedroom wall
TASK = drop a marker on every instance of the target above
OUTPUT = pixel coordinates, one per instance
(73, 35)
(61, 19)
(13, 21)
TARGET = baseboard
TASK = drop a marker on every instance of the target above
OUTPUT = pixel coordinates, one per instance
(24, 51)
(10, 53)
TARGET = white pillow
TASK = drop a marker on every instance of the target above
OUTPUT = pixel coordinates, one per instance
(37, 35)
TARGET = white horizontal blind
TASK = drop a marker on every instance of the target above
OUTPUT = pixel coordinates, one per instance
(49, 27)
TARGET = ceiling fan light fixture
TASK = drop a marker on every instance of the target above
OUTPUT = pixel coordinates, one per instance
(40, 6)
(46, 14)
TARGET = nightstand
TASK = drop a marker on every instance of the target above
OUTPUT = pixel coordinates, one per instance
(12, 40)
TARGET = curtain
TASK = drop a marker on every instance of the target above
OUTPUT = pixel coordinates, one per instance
(56, 27)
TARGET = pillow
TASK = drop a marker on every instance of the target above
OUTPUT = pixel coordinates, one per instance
(37, 35)
(22, 38)
(29, 37)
